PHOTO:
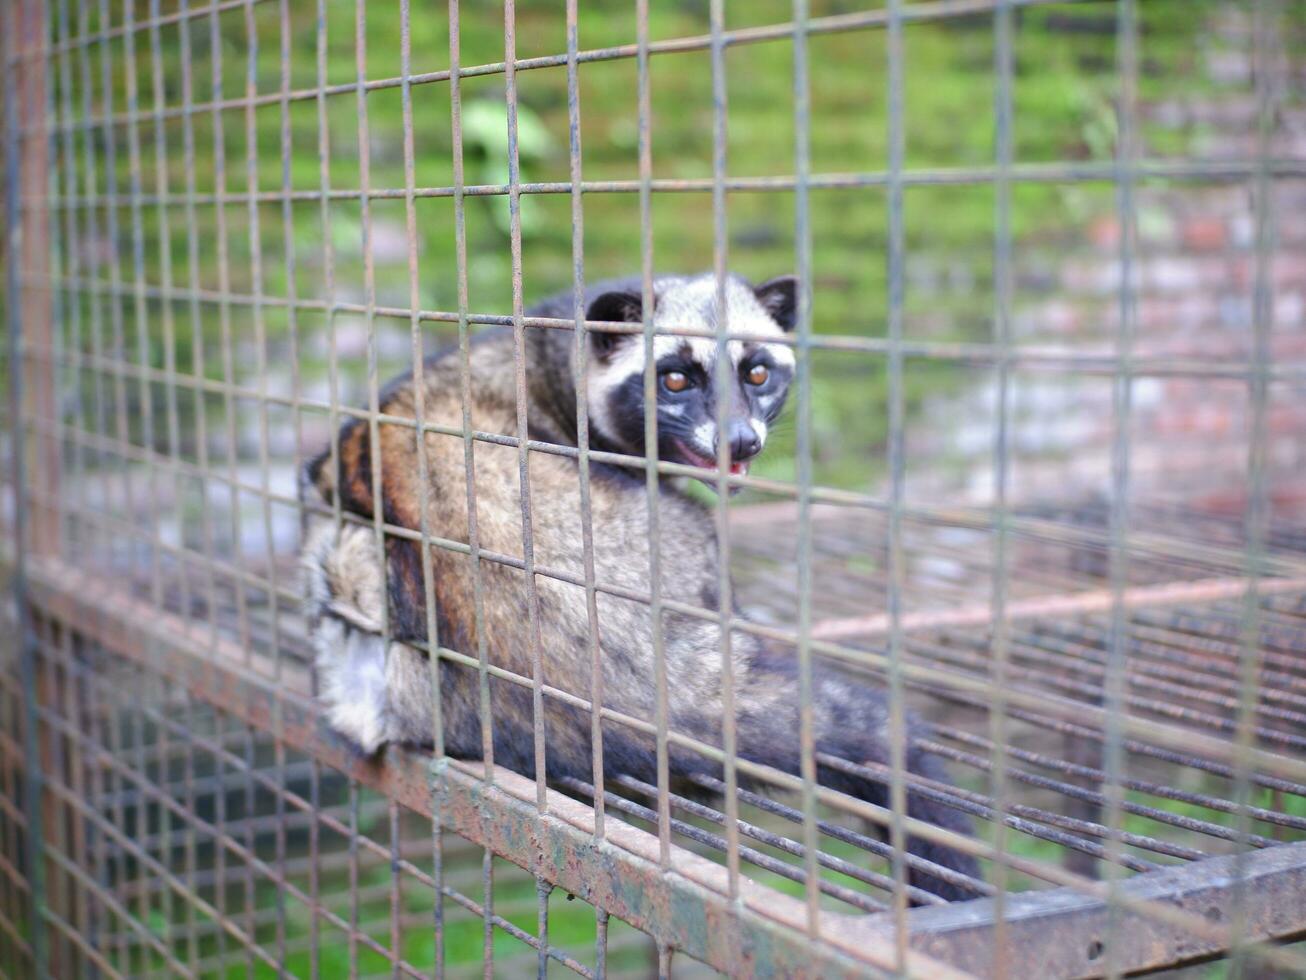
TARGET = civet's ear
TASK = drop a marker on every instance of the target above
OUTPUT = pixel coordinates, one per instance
(621, 306)
(779, 297)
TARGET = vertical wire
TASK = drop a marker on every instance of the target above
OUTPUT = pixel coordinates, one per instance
(190, 844)
(229, 414)
(53, 842)
(580, 372)
(72, 265)
(314, 871)
(58, 407)
(103, 463)
(1002, 289)
(166, 306)
(396, 889)
(523, 454)
(523, 431)
(328, 257)
(297, 427)
(220, 832)
(803, 450)
(121, 414)
(71, 252)
(651, 477)
(60, 445)
(353, 879)
(1266, 19)
(601, 938)
(722, 376)
(260, 326)
(897, 570)
(146, 401)
(465, 372)
(1118, 517)
(164, 743)
(91, 189)
(333, 423)
(261, 371)
(198, 372)
(423, 464)
(141, 807)
(247, 817)
(120, 401)
(198, 367)
(99, 791)
(373, 405)
(469, 466)
(32, 785)
(229, 407)
(419, 388)
(542, 891)
(56, 773)
(369, 309)
(59, 353)
(77, 778)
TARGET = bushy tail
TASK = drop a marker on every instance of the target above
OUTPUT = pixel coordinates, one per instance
(851, 721)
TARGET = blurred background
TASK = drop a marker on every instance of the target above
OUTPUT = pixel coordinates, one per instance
(1194, 272)
(1195, 277)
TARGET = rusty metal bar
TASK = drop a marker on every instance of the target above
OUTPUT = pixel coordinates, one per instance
(1073, 604)
(622, 874)
(35, 520)
(1069, 934)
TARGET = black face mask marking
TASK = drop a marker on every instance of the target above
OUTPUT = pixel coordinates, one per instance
(687, 407)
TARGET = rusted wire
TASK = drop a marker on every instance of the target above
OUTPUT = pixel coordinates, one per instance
(1140, 717)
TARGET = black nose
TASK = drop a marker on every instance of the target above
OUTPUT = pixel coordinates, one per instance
(744, 441)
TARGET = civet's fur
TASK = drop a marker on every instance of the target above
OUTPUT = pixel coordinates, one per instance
(374, 695)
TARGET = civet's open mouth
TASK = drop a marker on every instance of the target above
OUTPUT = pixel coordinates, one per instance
(693, 458)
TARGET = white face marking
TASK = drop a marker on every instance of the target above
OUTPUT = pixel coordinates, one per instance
(704, 436)
(675, 411)
(760, 428)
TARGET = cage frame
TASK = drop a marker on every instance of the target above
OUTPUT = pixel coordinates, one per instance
(685, 902)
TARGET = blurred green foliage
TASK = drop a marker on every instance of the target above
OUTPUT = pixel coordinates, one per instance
(1063, 95)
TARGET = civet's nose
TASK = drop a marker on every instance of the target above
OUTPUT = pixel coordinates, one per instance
(745, 443)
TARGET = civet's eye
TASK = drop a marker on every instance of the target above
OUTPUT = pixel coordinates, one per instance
(757, 374)
(675, 381)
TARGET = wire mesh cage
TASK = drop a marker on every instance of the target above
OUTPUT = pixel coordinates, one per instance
(1040, 481)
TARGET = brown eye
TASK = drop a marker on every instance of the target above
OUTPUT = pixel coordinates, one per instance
(675, 381)
(757, 374)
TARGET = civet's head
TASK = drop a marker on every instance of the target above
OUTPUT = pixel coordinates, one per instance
(757, 376)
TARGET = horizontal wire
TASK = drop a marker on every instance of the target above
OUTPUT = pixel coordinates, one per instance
(1090, 362)
(839, 23)
(1067, 172)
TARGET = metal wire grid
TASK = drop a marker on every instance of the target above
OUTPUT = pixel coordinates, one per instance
(1116, 678)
